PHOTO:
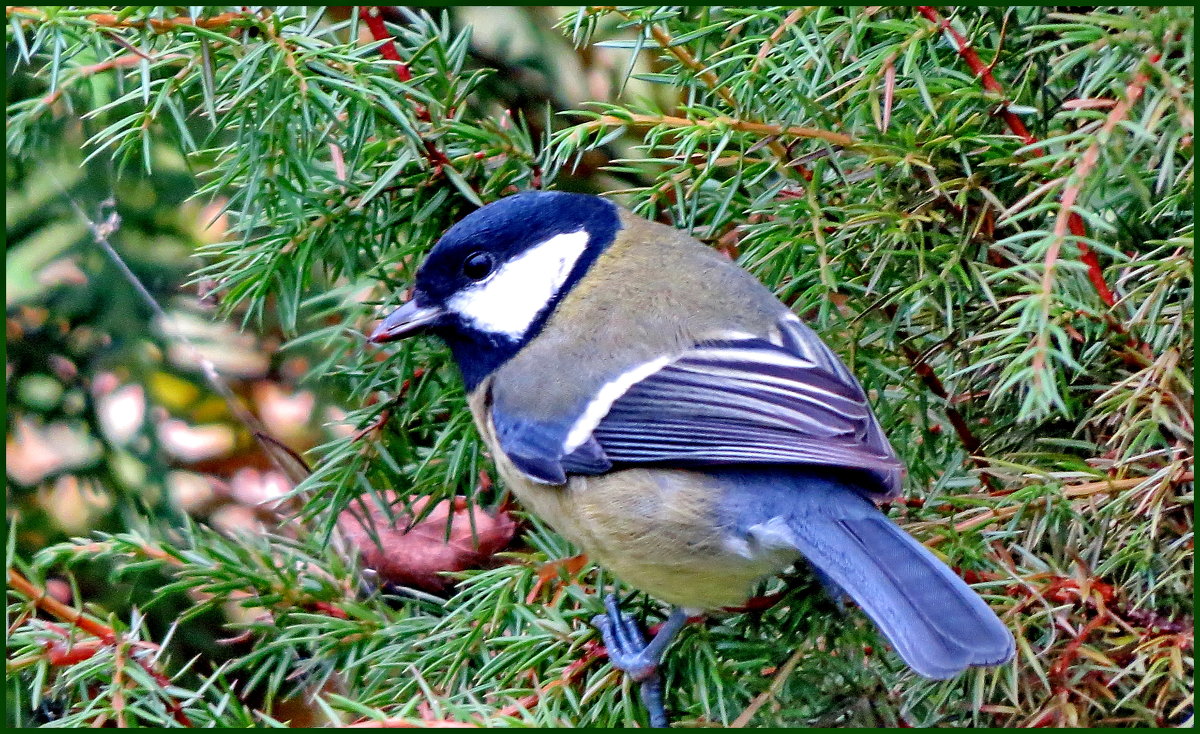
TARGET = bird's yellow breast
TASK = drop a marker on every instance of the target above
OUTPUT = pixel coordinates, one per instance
(658, 530)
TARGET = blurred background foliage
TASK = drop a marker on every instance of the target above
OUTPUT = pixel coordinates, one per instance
(987, 212)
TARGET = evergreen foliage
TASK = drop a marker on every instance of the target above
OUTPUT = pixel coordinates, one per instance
(986, 212)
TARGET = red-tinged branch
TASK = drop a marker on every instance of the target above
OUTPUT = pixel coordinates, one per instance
(757, 128)
(935, 385)
(374, 19)
(50, 605)
(105, 635)
(1062, 666)
(117, 62)
(591, 651)
(551, 570)
(710, 79)
(289, 58)
(965, 435)
(1068, 220)
(792, 18)
(785, 671)
(984, 73)
(1073, 492)
(410, 724)
(1088, 256)
(373, 15)
(107, 20)
(149, 551)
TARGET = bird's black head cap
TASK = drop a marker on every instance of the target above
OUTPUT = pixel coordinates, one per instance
(489, 284)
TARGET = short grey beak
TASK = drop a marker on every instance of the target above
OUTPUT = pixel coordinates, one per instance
(407, 320)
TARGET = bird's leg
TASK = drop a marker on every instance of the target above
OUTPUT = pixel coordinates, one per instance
(627, 648)
(628, 651)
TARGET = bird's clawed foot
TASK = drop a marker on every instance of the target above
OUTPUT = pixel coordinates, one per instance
(629, 652)
(627, 648)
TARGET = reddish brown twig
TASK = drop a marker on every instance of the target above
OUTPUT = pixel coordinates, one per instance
(756, 128)
(668, 44)
(158, 554)
(591, 651)
(67, 652)
(289, 58)
(107, 20)
(385, 415)
(710, 79)
(1068, 220)
(551, 570)
(117, 62)
(1058, 671)
(982, 70)
(934, 383)
(380, 421)
(889, 93)
(961, 428)
(1088, 256)
(374, 19)
(1017, 126)
(757, 603)
(1072, 492)
(781, 676)
(106, 636)
(791, 19)
(53, 606)
(436, 158)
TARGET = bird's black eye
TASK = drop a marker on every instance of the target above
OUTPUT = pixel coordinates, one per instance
(477, 265)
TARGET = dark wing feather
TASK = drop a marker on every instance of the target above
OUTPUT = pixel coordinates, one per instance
(746, 401)
(536, 449)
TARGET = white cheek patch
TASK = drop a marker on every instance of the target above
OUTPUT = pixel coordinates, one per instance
(513, 296)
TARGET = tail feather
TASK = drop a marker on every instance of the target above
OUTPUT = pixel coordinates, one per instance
(937, 624)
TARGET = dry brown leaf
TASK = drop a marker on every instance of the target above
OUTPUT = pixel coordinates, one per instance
(419, 557)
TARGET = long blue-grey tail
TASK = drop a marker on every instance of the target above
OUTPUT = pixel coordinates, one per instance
(937, 623)
(933, 619)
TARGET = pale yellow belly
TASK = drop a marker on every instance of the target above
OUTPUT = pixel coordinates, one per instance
(656, 531)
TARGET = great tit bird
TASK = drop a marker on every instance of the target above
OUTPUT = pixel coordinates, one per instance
(661, 409)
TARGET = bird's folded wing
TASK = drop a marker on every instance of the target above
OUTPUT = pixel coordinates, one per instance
(743, 401)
